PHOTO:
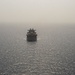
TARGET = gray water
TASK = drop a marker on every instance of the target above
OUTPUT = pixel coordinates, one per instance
(52, 54)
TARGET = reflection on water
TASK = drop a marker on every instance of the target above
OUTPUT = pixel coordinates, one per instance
(52, 54)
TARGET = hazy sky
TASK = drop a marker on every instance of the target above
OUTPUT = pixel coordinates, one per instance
(37, 11)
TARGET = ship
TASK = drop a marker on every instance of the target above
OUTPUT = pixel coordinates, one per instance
(31, 35)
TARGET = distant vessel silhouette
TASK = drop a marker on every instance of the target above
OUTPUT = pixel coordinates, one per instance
(31, 35)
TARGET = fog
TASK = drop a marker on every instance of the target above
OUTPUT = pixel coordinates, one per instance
(37, 11)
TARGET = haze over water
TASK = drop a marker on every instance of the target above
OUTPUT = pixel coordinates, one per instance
(52, 54)
(54, 51)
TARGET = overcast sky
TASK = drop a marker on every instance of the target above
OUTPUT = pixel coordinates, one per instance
(37, 11)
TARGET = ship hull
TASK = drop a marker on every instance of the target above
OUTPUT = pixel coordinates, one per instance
(31, 38)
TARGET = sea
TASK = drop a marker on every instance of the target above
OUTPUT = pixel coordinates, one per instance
(52, 54)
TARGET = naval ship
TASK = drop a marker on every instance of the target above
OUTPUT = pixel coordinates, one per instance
(31, 35)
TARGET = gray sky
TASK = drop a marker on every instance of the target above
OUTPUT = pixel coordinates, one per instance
(37, 11)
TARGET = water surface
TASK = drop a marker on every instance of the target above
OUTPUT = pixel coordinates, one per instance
(52, 54)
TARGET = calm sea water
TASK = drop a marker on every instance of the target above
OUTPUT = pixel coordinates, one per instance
(52, 54)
